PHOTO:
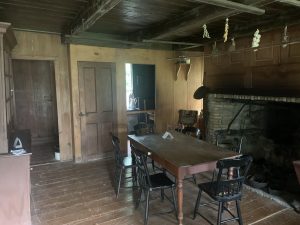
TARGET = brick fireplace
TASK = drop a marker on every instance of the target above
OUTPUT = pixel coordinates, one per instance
(266, 127)
(222, 108)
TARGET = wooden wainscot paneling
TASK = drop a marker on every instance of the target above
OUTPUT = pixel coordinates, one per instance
(271, 68)
(277, 80)
(291, 52)
(236, 57)
(267, 53)
(226, 80)
(226, 75)
(266, 77)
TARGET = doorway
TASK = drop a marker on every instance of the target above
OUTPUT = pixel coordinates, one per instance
(140, 95)
(36, 107)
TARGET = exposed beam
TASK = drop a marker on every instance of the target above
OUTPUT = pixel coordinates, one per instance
(233, 5)
(173, 42)
(35, 31)
(94, 12)
(39, 6)
(291, 2)
(124, 40)
(177, 26)
(113, 41)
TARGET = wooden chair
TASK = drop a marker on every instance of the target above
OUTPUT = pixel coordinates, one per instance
(122, 163)
(224, 190)
(187, 120)
(228, 142)
(144, 129)
(153, 182)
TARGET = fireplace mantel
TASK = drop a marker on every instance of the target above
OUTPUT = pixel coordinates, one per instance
(256, 98)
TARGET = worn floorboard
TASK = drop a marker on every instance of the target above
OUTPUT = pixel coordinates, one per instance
(82, 194)
(42, 154)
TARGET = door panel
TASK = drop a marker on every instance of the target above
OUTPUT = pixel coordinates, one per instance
(92, 143)
(96, 108)
(90, 85)
(105, 137)
(106, 84)
(23, 95)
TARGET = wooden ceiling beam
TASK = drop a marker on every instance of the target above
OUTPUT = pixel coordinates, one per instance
(291, 2)
(89, 16)
(173, 42)
(233, 5)
(113, 41)
(176, 26)
(38, 6)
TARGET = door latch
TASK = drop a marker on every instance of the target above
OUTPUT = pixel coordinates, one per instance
(82, 114)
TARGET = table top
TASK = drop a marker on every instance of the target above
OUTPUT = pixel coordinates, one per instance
(133, 112)
(183, 150)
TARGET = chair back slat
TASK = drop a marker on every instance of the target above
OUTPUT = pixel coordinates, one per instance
(230, 186)
(117, 151)
(143, 129)
(187, 117)
(142, 169)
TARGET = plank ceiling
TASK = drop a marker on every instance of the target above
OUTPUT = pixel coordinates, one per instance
(131, 23)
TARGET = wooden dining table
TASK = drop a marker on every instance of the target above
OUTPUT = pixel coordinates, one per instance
(181, 156)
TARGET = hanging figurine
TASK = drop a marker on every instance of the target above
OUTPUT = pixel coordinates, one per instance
(226, 30)
(285, 38)
(205, 32)
(256, 39)
(215, 49)
(232, 46)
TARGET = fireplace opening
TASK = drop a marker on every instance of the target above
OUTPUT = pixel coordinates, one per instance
(283, 124)
(270, 132)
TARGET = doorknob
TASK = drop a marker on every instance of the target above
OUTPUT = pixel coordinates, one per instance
(82, 114)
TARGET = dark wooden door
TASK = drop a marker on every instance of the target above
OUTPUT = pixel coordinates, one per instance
(96, 108)
(35, 98)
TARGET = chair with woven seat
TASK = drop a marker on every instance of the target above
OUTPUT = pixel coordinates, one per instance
(122, 163)
(148, 183)
(226, 189)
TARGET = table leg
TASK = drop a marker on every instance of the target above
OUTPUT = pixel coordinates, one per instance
(180, 200)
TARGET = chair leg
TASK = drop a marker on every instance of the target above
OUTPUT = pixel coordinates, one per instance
(115, 179)
(194, 179)
(119, 181)
(139, 197)
(147, 207)
(197, 204)
(162, 194)
(134, 176)
(220, 213)
(174, 202)
(238, 209)
(153, 166)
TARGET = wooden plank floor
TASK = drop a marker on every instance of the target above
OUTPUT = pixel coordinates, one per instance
(82, 194)
(42, 153)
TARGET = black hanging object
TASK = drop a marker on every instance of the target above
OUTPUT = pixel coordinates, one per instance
(201, 92)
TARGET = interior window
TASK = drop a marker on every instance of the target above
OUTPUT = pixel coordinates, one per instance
(140, 86)
(129, 89)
